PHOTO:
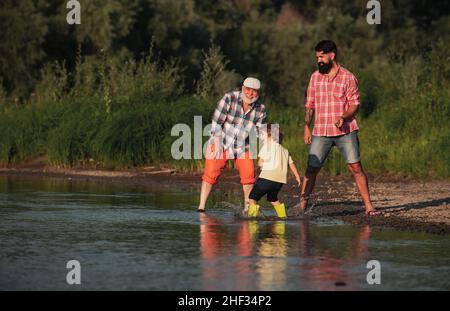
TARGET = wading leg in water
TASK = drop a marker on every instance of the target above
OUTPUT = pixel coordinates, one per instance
(206, 190)
(363, 187)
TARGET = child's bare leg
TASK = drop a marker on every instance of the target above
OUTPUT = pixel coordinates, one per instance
(275, 203)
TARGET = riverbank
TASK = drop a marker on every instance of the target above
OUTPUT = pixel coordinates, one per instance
(406, 203)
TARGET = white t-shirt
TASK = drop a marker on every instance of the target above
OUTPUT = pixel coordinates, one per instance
(276, 161)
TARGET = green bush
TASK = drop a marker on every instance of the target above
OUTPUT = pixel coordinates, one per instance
(115, 106)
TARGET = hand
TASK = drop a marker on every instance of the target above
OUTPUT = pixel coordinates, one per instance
(214, 151)
(217, 152)
(299, 181)
(307, 135)
(340, 122)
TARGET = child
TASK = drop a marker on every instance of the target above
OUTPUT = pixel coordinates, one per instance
(273, 160)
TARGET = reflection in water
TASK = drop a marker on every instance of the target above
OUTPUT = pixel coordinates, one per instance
(259, 253)
(243, 266)
(325, 269)
(142, 239)
(216, 245)
(210, 240)
(272, 263)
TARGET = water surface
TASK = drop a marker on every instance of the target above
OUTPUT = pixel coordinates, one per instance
(132, 238)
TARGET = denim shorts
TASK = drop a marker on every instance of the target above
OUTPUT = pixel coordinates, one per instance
(320, 147)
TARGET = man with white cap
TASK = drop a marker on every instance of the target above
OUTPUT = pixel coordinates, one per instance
(237, 114)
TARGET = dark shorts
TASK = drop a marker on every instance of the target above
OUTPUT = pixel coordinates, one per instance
(320, 147)
(263, 187)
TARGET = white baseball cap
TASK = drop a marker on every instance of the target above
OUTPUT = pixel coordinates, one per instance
(252, 83)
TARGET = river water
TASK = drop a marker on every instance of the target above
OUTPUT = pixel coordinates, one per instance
(135, 238)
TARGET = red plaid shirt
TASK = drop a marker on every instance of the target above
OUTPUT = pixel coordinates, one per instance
(330, 97)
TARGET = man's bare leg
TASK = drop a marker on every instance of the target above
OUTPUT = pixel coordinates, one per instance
(362, 184)
(309, 180)
(246, 189)
(204, 194)
(308, 183)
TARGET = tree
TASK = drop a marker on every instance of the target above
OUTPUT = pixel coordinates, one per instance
(215, 79)
(23, 31)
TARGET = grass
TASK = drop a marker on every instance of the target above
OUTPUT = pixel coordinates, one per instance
(120, 114)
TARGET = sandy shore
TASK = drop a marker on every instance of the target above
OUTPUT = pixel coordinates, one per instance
(407, 204)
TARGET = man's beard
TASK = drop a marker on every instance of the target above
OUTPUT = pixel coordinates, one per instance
(248, 100)
(324, 68)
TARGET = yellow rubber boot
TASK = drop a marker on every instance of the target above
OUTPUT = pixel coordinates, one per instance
(253, 210)
(279, 227)
(281, 210)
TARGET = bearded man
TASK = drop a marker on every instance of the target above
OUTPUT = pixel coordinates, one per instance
(333, 98)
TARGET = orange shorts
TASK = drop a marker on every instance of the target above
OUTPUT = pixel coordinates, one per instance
(244, 164)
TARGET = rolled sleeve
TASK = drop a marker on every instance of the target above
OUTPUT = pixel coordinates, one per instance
(352, 94)
(310, 94)
(219, 116)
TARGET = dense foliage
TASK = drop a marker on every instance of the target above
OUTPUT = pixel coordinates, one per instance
(109, 90)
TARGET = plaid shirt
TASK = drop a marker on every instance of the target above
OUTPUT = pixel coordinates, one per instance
(330, 97)
(231, 123)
